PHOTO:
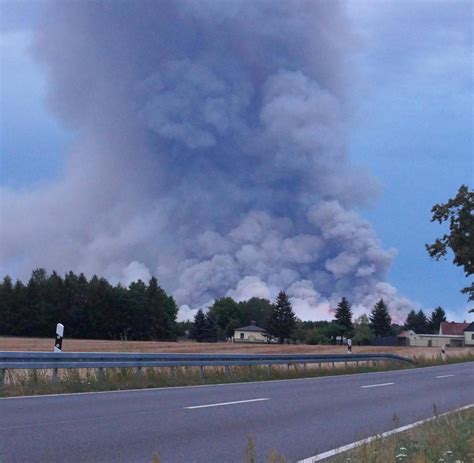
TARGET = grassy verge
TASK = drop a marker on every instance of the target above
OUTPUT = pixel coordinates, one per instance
(445, 439)
(34, 382)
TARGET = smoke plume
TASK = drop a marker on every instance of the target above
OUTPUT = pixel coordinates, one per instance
(210, 150)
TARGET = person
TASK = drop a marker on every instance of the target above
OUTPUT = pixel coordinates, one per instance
(349, 346)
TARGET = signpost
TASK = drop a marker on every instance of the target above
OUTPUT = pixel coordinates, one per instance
(58, 343)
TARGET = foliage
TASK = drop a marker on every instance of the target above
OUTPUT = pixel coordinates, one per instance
(92, 309)
(363, 333)
(459, 212)
(230, 314)
(418, 322)
(283, 320)
(343, 318)
(199, 327)
(380, 320)
(205, 327)
(437, 317)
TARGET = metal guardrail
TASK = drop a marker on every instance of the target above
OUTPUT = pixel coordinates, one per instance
(55, 361)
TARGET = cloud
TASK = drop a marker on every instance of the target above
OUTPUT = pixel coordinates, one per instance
(210, 151)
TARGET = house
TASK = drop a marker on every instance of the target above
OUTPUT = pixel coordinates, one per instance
(250, 333)
(410, 338)
(452, 328)
(469, 335)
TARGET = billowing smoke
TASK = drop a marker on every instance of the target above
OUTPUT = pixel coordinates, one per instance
(210, 150)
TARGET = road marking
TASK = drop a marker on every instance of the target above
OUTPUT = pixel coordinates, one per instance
(377, 385)
(345, 448)
(444, 376)
(227, 403)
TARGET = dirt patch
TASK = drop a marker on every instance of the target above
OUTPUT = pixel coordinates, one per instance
(85, 345)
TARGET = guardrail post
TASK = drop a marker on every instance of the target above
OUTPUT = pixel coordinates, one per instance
(100, 373)
(270, 368)
(304, 367)
(2, 376)
(201, 372)
(138, 371)
(54, 375)
(173, 372)
(333, 365)
(226, 371)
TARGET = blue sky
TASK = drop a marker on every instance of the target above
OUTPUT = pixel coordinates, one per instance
(411, 127)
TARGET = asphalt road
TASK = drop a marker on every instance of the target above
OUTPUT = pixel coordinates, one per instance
(300, 418)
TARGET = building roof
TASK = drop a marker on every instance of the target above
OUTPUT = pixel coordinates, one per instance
(470, 328)
(452, 328)
(251, 328)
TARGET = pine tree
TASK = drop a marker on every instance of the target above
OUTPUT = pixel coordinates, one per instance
(380, 320)
(417, 322)
(422, 326)
(198, 332)
(343, 318)
(210, 328)
(283, 320)
(410, 323)
(437, 317)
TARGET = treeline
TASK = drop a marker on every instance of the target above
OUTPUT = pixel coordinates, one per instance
(90, 309)
(225, 315)
(95, 309)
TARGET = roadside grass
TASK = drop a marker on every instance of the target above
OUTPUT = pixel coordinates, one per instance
(37, 382)
(445, 439)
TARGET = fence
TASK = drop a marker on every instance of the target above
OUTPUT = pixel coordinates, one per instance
(99, 361)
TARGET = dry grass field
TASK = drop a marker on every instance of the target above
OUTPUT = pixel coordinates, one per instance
(86, 345)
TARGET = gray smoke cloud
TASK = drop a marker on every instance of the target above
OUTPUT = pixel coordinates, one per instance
(210, 150)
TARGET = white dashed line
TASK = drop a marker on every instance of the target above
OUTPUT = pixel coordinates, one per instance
(444, 376)
(227, 403)
(377, 385)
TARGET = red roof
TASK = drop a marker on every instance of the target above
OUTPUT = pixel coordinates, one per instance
(452, 328)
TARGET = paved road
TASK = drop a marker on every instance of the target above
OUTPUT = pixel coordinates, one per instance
(300, 418)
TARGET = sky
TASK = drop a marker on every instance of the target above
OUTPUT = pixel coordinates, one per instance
(300, 147)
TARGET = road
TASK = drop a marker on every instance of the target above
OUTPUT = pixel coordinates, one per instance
(299, 418)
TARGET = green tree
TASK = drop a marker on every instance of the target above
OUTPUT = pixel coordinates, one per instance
(231, 327)
(380, 320)
(417, 321)
(198, 331)
(6, 306)
(363, 334)
(283, 320)
(437, 317)
(343, 317)
(459, 212)
(210, 328)
(225, 310)
(256, 310)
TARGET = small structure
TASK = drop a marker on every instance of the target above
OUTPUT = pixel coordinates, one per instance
(469, 335)
(251, 333)
(410, 338)
(452, 328)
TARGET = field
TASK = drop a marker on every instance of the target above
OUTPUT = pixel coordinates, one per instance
(86, 345)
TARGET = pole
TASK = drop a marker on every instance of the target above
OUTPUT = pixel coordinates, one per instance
(58, 343)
